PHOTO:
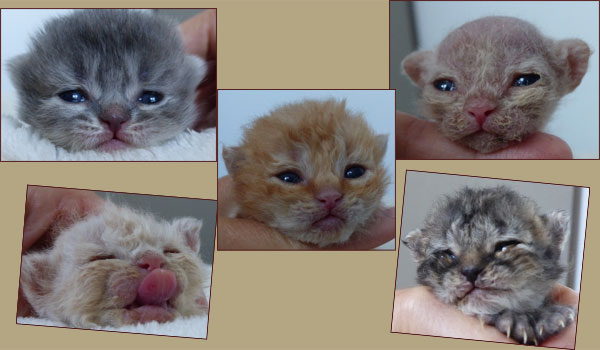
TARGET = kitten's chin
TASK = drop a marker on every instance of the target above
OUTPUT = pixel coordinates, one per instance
(485, 142)
(329, 223)
(112, 145)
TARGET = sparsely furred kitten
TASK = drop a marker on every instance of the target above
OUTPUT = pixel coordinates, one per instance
(118, 267)
(491, 254)
(311, 170)
(107, 80)
(493, 81)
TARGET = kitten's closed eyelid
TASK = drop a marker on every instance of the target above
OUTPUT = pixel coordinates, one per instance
(171, 251)
(504, 245)
(101, 257)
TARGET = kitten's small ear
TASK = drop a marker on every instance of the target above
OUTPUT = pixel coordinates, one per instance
(573, 55)
(38, 271)
(557, 224)
(381, 146)
(197, 67)
(415, 66)
(416, 242)
(232, 156)
(190, 228)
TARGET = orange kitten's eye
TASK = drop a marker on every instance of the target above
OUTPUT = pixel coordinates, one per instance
(354, 171)
(171, 251)
(101, 257)
(289, 176)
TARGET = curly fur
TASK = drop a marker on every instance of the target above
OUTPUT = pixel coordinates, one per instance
(483, 58)
(113, 56)
(318, 140)
(510, 289)
(72, 283)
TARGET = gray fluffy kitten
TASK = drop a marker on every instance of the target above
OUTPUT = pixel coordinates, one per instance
(107, 80)
(491, 254)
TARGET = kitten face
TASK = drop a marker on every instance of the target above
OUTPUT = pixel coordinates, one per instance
(488, 250)
(495, 80)
(312, 170)
(107, 80)
(118, 267)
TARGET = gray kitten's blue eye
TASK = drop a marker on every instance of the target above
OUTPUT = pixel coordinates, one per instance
(354, 171)
(289, 176)
(150, 97)
(444, 85)
(73, 96)
(526, 79)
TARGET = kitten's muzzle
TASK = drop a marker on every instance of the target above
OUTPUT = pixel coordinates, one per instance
(471, 273)
(114, 117)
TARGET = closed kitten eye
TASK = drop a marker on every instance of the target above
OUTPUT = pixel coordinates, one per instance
(504, 245)
(526, 79)
(73, 96)
(101, 257)
(444, 85)
(150, 97)
(289, 176)
(171, 251)
(354, 171)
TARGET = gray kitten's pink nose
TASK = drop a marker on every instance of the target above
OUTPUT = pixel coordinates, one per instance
(114, 117)
(481, 109)
(151, 261)
(328, 197)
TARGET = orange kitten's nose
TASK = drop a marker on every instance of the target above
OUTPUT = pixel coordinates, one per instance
(151, 261)
(480, 109)
(114, 117)
(329, 197)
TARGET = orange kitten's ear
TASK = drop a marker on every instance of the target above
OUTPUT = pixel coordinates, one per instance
(190, 228)
(557, 224)
(415, 66)
(232, 156)
(416, 241)
(38, 271)
(381, 146)
(573, 55)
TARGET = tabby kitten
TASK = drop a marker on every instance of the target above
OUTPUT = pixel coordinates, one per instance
(118, 267)
(312, 170)
(107, 80)
(491, 254)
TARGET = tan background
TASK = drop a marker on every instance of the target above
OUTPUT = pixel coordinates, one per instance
(278, 299)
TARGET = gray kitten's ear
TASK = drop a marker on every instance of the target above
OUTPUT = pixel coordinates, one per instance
(232, 156)
(38, 271)
(416, 66)
(197, 68)
(573, 55)
(416, 242)
(557, 224)
(190, 229)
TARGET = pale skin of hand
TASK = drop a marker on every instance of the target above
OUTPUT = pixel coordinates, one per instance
(47, 208)
(418, 311)
(200, 39)
(244, 234)
(421, 139)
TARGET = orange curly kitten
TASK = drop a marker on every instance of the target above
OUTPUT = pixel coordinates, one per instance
(312, 170)
(118, 267)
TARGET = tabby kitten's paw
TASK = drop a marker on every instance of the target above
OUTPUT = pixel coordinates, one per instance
(534, 327)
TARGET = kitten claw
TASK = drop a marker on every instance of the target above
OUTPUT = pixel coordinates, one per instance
(524, 337)
(508, 333)
(562, 323)
(481, 323)
(541, 330)
(571, 316)
(535, 342)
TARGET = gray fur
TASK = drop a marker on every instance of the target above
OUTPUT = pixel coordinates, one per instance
(466, 231)
(112, 55)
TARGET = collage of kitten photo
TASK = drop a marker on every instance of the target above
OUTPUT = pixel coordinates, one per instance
(116, 261)
(439, 136)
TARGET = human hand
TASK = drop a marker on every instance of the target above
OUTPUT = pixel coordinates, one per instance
(420, 139)
(47, 208)
(244, 234)
(418, 311)
(200, 39)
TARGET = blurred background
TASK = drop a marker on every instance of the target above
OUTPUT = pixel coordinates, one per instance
(169, 208)
(417, 25)
(423, 189)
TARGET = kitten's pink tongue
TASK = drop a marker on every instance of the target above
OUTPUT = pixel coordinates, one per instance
(157, 287)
